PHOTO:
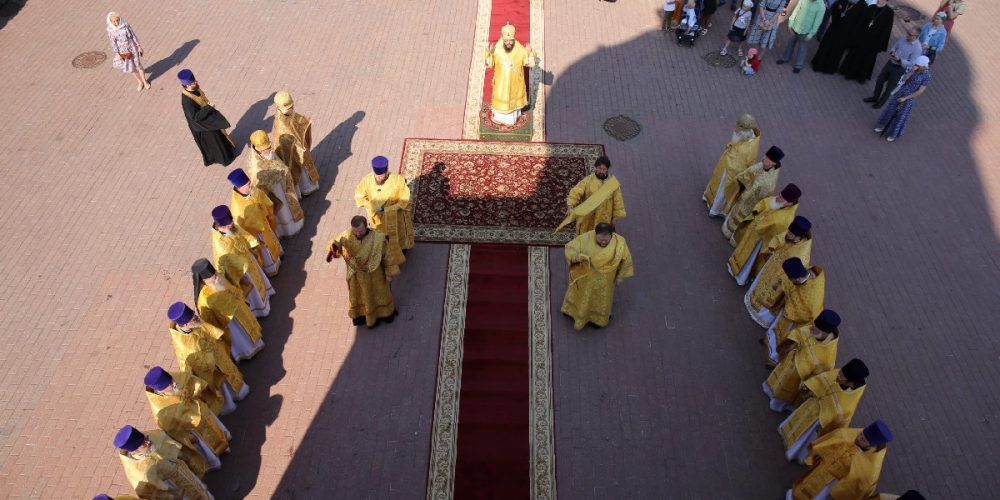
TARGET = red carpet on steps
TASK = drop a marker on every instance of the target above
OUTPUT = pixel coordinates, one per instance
(518, 13)
(494, 454)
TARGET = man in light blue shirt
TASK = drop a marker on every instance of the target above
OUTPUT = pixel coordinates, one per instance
(803, 25)
(933, 35)
(901, 57)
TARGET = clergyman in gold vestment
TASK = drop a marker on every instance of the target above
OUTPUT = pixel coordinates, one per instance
(740, 153)
(386, 199)
(761, 299)
(268, 172)
(185, 418)
(828, 402)
(253, 211)
(803, 291)
(846, 463)
(508, 58)
(595, 199)
(293, 134)
(762, 232)
(599, 261)
(754, 184)
(202, 350)
(223, 305)
(157, 466)
(808, 351)
(369, 272)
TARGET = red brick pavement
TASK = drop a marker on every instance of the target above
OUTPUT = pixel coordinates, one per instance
(109, 205)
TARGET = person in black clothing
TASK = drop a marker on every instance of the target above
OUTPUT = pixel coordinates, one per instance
(872, 38)
(845, 23)
(208, 125)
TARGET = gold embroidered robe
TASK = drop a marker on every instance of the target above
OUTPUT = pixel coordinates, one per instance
(368, 264)
(293, 135)
(831, 405)
(769, 280)
(590, 294)
(510, 91)
(807, 358)
(802, 303)
(766, 225)
(611, 206)
(753, 184)
(734, 160)
(835, 456)
(255, 215)
(266, 173)
(240, 244)
(219, 307)
(149, 475)
(204, 353)
(180, 413)
(395, 220)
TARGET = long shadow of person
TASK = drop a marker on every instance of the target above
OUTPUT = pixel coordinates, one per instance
(159, 68)
(255, 118)
(335, 148)
(261, 408)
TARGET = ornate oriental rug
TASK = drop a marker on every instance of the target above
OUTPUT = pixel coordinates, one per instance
(493, 192)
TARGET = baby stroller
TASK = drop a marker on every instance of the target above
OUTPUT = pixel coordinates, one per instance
(686, 35)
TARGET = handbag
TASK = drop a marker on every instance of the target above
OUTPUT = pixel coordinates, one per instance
(126, 56)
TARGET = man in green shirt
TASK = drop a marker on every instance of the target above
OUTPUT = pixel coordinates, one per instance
(803, 25)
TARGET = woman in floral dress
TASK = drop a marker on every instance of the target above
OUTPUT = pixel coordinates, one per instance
(127, 49)
(892, 121)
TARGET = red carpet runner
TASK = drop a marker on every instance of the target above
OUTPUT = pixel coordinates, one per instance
(493, 427)
(493, 444)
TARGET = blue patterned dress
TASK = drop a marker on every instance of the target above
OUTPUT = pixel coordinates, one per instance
(893, 119)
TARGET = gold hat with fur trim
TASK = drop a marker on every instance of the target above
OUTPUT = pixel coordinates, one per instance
(260, 140)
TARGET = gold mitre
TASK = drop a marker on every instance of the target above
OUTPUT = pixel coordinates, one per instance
(746, 121)
(507, 32)
(283, 100)
(260, 140)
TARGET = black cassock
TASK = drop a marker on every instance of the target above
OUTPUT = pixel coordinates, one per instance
(207, 125)
(872, 38)
(846, 21)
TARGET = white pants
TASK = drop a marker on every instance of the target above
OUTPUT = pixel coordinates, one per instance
(719, 202)
(508, 119)
(306, 184)
(243, 347)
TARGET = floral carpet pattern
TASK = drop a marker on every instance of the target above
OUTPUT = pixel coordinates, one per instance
(493, 192)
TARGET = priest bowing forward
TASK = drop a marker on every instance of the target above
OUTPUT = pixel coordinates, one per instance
(845, 463)
(762, 232)
(157, 466)
(369, 272)
(207, 124)
(599, 261)
(510, 92)
(740, 152)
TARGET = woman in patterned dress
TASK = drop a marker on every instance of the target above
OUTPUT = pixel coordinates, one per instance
(127, 49)
(765, 25)
(892, 121)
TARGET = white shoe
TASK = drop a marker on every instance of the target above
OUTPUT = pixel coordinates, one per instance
(890, 139)
(878, 130)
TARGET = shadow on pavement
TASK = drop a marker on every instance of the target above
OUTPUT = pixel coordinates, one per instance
(161, 67)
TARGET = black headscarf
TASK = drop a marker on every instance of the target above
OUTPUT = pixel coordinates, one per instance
(200, 270)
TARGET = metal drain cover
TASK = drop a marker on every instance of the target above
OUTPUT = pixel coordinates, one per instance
(89, 59)
(717, 60)
(622, 127)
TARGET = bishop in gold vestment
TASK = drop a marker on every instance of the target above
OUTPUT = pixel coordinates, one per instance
(185, 417)
(595, 199)
(253, 212)
(508, 58)
(369, 272)
(202, 350)
(808, 351)
(740, 153)
(268, 172)
(223, 305)
(157, 466)
(761, 299)
(599, 261)
(386, 199)
(293, 134)
(803, 292)
(762, 232)
(830, 401)
(230, 239)
(846, 463)
(754, 184)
